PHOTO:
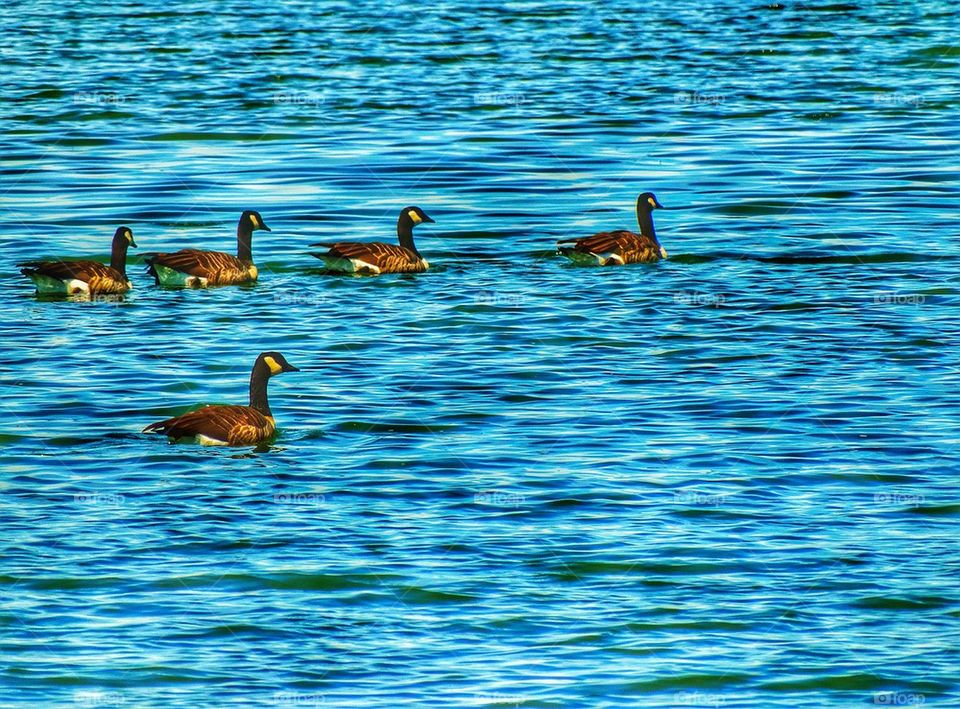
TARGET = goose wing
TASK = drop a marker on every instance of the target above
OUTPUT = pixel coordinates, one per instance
(619, 242)
(628, 246)
(228, 424)
(385, 257)
(71, 270)
(204, 264)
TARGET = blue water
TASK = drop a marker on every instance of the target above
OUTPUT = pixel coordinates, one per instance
(727, 479)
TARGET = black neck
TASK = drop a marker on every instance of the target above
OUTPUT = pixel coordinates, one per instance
(244, 241)
(118, 255)
(258, 388)
(405, 232)
(645, 220)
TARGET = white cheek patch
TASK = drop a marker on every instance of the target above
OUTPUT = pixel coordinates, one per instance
(414, 217)
(254, 221)
(272, 363)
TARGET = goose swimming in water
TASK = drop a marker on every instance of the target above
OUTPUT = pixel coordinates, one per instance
(84, 277)
(376, 257)
(226, 425)
(193, 268)
(616, 248)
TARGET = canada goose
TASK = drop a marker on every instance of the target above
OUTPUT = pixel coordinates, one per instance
(193, 268)
(615, 248)
(84, 277)
(376, 257)
(225, 425)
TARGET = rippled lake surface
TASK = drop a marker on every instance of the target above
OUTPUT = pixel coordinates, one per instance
(727, 479)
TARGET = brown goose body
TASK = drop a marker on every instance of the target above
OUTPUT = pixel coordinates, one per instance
(84, 277)
(195, 268)
(617, 248)
(373, 257)
(231, 425)
(610, 248)
(376, 257)
(221, 424)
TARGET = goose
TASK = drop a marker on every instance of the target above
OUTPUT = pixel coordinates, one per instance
(84, 277)
(375, 257)
(193, 268)
(226, 425)
(616, 248)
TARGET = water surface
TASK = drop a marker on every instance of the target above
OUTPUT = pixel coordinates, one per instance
(725, 479)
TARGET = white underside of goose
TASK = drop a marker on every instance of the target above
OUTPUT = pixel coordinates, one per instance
(208, 441)
(54, 286)
(349, 265)
(172, 277)
(589, 258)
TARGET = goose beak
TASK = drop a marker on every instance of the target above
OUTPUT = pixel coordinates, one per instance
(287, 367)
(133, 243)
(428, 220)
(264, 227)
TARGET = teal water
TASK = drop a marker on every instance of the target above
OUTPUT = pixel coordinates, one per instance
(727, 479)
